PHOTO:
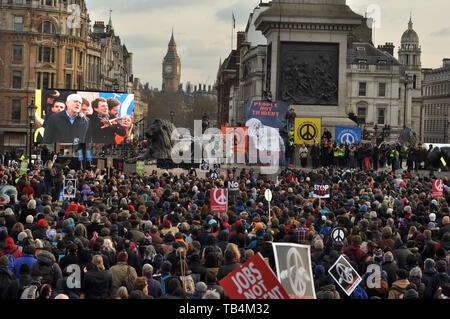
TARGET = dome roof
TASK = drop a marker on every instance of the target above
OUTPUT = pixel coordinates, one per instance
(410, 36)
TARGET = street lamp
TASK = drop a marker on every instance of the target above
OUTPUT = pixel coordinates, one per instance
(116, 86)
(172, 114)
(386, 131)
(31, 114)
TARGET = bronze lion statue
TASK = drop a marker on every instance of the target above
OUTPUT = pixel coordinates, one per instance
(159, 137)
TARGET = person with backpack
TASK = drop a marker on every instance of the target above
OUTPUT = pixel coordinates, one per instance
(11, 252)
(47, 267)
(398, 288)
(9, 286)
(122, 273)
(28, 259)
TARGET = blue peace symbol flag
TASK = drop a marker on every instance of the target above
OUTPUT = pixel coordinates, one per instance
(347, 134)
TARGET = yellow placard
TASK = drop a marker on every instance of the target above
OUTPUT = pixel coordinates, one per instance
(443, 162)
(307, 130)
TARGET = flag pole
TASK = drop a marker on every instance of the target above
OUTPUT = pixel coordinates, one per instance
(232, 27)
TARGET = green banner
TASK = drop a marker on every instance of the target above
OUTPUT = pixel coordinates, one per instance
(23, 167)
(140, 167)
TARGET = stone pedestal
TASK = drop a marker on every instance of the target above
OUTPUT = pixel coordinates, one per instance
(308, 44)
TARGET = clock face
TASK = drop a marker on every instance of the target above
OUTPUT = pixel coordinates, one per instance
(168, 69)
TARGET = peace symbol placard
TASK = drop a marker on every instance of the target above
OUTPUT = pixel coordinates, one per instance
(345, 275)
(307, 130)
(338, 235)
(219, 200)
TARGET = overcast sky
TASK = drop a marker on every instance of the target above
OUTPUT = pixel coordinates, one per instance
(202, 30)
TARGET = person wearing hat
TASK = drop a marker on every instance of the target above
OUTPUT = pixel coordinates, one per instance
(9, 286)
(354, 251)
(327, 289)
(154, 286)
(122, 273)
(28, 259)
(41, 230)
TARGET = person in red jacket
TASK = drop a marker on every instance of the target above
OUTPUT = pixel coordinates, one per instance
(354, 252)
(10, 248)
(28, 191)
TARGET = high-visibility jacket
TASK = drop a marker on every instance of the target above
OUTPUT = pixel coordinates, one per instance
(394, 153)
(291, 138)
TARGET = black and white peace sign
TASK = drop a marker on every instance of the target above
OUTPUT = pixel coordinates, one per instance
(298, 276)
(307, 132)
(338, 235)
(345, 273)
(69, 187)
(214, 176)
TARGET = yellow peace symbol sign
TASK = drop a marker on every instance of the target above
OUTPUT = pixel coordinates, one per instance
(307, 131)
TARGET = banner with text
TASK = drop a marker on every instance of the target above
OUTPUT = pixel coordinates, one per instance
(253, 280)
(267, 129)
(347, 134)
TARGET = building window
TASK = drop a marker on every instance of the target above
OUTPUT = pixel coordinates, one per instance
(47, 2)
(17, 53)
(16, 110)
(362, 89)
(80, 59)
(68, 81)
(69, 56)
(17, 79)
(45, 80)
(381, 116)
(47, 27)
(18, 23)
(38, 80)
(382, 89)
(362, 111)
(46, 54)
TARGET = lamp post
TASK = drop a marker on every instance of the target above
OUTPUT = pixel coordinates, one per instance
(116, 85)
(31, 113)
(386, 131)
(172, 114)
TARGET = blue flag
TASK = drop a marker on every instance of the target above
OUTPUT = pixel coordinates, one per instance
(89, 155)
(80, 155)
(347, 134)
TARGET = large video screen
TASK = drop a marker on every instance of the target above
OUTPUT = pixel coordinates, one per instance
(79, 117)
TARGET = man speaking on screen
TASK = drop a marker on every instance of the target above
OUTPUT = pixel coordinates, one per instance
(68, 126)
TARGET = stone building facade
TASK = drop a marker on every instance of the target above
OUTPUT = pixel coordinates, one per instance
(436, 105)
(42, 46)
(50, 44)
(374, 77)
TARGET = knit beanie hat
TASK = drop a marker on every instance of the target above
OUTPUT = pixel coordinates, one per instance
(122, 256)
(356, 240)
(29, 219)
(22, 236)
(4, 261)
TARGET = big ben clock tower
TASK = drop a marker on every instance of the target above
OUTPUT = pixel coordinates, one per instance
(171, 68)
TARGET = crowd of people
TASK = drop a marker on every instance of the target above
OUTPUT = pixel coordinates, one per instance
(365, 156)
(131, 236)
